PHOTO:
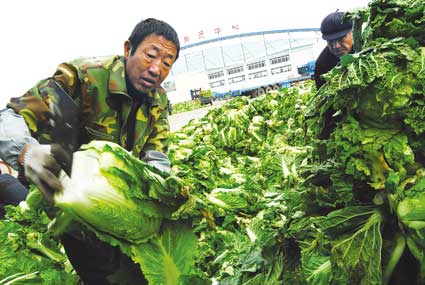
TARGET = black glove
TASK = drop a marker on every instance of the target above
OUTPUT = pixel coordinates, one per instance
(42, 164)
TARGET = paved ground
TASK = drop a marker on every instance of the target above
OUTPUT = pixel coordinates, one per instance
(181, 119)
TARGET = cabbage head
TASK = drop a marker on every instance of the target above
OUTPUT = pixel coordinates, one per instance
(114, 193)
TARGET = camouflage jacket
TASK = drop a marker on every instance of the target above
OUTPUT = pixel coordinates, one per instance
(98, 85)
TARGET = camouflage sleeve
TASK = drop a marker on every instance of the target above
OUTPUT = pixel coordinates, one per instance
(33, 106)
(158, 139)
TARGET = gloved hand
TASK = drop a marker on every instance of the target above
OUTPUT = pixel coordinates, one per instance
(157, 159)
(42, 168)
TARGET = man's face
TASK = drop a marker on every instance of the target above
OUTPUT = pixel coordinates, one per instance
(341, 46)
(151, 63)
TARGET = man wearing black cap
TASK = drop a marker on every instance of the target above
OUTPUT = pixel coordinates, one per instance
(339, 37)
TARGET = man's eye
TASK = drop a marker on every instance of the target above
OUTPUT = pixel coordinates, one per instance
(167, 64)
(150, 55)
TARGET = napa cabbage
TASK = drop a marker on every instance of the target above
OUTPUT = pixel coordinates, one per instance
(115, 193)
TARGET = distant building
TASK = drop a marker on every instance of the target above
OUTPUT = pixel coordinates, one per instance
(242, 61)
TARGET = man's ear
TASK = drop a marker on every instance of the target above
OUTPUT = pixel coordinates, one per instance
(127, 49)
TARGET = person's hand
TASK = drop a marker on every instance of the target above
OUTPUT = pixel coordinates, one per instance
(157, 159)
(42, 169)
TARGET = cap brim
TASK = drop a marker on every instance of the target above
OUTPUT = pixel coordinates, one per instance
(335, 36)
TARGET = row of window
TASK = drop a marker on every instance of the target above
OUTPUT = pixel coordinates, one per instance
(250, 66)
(215, 75)
(251, 76)
(281, 69)
(279, 59)
(217, 83)
(258, 74)
(234, 70)
(256, 65)
(237, 79)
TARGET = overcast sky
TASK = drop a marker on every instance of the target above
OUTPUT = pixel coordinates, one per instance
(38, 35)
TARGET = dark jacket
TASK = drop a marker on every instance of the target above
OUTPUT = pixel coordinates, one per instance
(325, 62)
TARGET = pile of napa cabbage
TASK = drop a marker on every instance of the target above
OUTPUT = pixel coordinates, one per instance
(326, 187)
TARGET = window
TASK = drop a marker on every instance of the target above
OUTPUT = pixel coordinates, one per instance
(217, 83)
(169, 86)
(279, 59)
(281, 69)
(237, 79)
(256, 65)
(258, 74)
(234, 70)
(215, 75)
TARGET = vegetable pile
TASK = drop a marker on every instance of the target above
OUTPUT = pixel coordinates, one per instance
(243, 162)
(318, 188)
(29, 254)
(300, 186)
(186, 106)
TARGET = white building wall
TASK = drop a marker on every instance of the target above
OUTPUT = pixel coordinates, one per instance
(184, 83)
(197, 63)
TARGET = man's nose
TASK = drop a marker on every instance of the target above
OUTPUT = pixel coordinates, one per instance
(155, 68)
(336, 44)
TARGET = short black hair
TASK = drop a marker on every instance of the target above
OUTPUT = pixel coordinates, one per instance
(153, 26)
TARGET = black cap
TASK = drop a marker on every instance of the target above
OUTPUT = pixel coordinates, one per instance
(333, 27)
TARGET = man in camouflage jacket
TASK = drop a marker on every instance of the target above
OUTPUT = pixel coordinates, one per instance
(98, 85)
(120, 100)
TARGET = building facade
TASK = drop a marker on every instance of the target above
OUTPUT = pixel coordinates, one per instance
(242, 61)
